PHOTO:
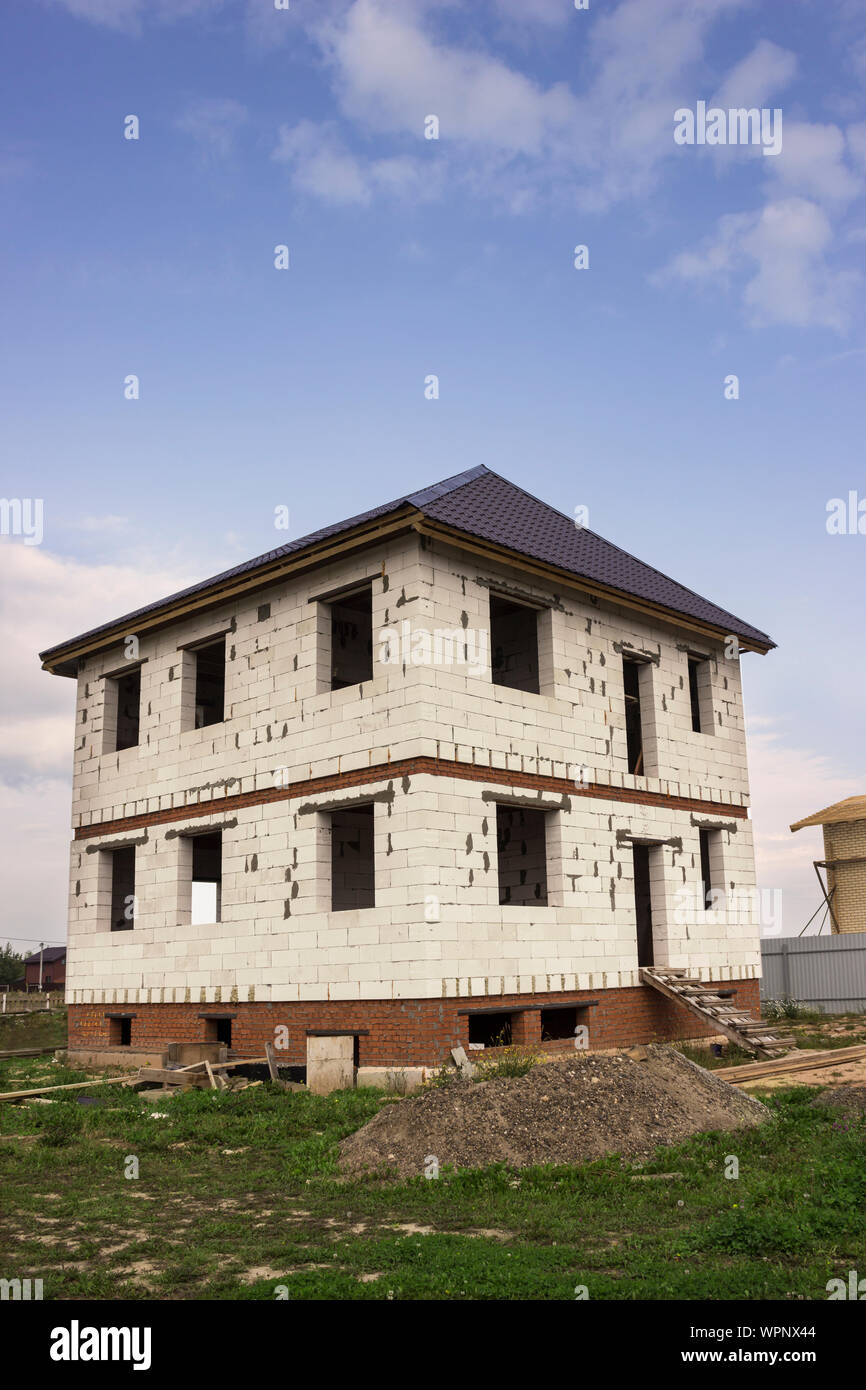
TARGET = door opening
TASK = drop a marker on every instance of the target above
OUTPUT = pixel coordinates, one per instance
(643, 904)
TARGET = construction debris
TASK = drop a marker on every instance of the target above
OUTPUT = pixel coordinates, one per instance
(204, 1075)
(462, 1062)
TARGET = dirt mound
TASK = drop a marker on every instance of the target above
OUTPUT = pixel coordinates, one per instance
(565, 1111)
(850, 1099)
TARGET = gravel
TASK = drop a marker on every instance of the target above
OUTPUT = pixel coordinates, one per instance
(562, 1111)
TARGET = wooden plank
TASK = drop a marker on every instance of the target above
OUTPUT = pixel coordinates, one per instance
(176, 1077)
(752, 1071)
(28, 1052)
(211, 1077)
(73, 1086)
(241, 1062)
(272, 1066)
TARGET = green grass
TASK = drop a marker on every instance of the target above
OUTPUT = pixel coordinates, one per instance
(732, 1056)
(41, 1028)
(825, 1042)
(199, 1222)
(810, 1030)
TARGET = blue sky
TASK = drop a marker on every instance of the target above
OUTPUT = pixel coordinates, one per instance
(305, 387)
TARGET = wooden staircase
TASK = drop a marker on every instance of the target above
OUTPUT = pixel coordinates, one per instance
(763, 1039)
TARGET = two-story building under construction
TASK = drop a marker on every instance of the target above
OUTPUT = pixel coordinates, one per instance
(449, 772)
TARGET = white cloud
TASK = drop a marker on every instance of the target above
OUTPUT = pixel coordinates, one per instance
(128, 16)
(391, 74)
(214, 124)
(811, 162)
(788, 783)
(758, 77)
(781, 255)
(43, 600)
(322, 165)
(503, 133)
(551, 14)
(35, 828)
(856, 140)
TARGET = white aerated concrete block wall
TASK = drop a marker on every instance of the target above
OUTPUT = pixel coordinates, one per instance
(437, 927)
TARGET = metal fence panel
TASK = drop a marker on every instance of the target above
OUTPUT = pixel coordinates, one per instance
(826, 972)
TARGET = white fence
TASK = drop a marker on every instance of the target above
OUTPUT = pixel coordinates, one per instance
(15, 1002)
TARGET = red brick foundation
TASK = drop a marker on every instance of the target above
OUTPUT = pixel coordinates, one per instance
(407, 1032)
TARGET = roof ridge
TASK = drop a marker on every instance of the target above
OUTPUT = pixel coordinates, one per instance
(447, 485)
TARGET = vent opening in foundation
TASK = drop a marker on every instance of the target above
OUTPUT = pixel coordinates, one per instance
(120, 1032)
(218, 1030)
(561, 1022)
(490, 1030)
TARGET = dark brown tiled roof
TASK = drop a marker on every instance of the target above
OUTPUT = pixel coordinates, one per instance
(482, 504)
(50, 956)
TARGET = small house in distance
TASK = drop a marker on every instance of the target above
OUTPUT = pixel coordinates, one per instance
(451, 772)
(53, 969)
(844, 862)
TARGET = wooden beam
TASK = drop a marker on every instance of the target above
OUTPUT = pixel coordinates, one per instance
(168, 1076)
(27, 1052)
(753, 1071)
(74, 1086)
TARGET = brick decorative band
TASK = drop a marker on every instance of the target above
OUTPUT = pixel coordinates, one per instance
(409, 1032)
(406, 767)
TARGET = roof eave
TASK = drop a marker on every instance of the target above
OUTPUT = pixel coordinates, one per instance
(63, 659)
(543, 569)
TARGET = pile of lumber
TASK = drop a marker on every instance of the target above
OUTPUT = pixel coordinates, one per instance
(204, 1075)
(211, 1075)
(756, 1071)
